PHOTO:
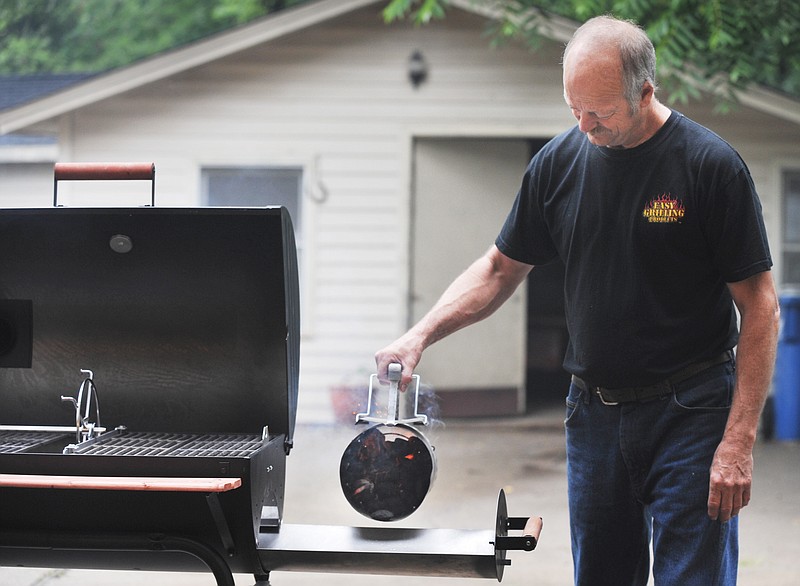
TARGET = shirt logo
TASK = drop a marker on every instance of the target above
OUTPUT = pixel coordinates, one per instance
(664, 209)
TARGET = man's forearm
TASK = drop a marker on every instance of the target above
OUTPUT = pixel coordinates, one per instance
(473, 296)
(755, 360)
(732, 466)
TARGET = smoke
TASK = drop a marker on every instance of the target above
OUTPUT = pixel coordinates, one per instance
(350, 400)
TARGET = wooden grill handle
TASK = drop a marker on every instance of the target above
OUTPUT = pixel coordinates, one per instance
(104, 172)
(533, 528)
(159, 484)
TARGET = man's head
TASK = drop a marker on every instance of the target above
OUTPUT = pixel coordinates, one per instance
(609, 81)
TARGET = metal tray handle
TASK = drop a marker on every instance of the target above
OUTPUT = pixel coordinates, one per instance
(393, 399)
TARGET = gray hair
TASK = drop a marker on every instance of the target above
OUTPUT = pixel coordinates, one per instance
(636, 52)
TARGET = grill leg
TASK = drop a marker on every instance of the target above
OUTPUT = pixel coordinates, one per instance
(215, 562)
(262, 579)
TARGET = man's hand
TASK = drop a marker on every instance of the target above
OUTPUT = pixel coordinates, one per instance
(405, 351)
(731, 479)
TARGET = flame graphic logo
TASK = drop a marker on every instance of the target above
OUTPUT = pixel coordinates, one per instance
(664, 209)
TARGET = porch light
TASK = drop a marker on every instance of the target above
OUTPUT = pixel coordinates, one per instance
(417, 68)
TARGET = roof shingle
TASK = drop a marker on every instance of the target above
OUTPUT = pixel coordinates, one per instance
(16, 90)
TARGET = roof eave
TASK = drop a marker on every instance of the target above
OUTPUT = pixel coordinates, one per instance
(771, 102)
(176, 61)
(553, 26)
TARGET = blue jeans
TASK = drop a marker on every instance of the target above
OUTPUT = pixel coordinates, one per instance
(640, 469)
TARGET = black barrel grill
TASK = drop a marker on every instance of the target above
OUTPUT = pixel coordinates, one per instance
(149, 364)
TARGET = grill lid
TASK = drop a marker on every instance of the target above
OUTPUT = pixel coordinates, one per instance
(189, 318)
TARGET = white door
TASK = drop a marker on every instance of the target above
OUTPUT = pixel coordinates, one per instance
(463, 191)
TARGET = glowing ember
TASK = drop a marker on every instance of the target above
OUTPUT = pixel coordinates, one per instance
(386, 472)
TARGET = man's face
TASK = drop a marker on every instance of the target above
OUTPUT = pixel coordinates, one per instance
(594, 93)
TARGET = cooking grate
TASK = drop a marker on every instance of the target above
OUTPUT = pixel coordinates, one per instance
(19, 441)
(173, 444)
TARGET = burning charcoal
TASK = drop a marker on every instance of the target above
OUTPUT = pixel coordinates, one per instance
(386, 472)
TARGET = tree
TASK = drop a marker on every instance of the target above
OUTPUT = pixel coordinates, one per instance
(718, 45)
(97, 35)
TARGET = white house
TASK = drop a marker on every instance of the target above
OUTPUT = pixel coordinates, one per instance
(394, 187)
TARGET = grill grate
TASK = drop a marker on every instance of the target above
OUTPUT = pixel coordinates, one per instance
(174, 444)
(19, 441)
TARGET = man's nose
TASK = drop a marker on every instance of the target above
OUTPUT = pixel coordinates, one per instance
(586, 122)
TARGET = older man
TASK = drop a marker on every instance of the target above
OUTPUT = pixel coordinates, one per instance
(660, 228)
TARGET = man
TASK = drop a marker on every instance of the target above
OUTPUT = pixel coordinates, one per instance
(660, 229)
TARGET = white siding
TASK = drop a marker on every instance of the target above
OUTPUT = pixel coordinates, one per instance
(26, 185)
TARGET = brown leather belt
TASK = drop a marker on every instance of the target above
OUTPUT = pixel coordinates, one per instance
(648, 393)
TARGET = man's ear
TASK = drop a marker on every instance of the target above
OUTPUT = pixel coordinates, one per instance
(648, 91)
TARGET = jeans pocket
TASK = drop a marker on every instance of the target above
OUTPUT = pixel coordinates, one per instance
(709, 390)
(574, 398)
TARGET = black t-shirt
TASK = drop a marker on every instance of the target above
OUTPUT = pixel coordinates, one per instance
(649, 236)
